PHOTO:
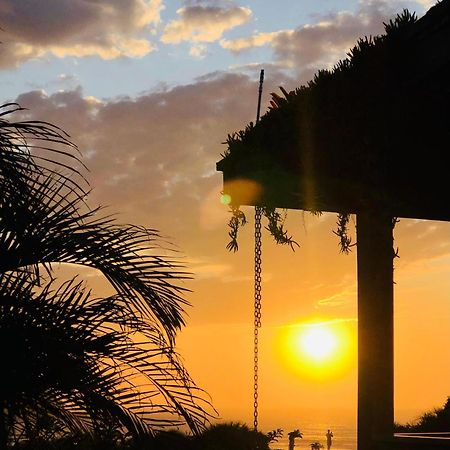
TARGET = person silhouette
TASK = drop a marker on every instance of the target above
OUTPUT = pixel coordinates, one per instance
(329, 435)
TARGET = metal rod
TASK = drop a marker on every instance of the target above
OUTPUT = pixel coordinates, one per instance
(261, 81)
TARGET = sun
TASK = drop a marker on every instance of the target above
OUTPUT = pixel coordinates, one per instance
(318, 343)
(319, 350)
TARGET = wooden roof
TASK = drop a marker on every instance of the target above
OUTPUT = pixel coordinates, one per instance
(372, 133)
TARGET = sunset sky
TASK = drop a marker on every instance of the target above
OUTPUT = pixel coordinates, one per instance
(149, 90)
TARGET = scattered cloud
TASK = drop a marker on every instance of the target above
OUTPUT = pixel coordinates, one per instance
(65, 77)
(198, 51)
(155, 154)
(338, 299)
(323, 43)
(211, 270)
(107, 29)
(426, 3)
(200, 23)
(257, 40)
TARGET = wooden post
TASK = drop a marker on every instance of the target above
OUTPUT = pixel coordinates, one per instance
(375, 328)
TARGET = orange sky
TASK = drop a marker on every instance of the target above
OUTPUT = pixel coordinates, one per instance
(151, 134)
(317, 282)
(153, 176)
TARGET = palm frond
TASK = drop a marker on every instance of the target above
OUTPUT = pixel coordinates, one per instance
(35, 150)
(88, 362)
(45, 225)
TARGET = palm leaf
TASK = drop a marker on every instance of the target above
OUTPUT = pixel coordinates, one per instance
(88, 362)
(45, 226)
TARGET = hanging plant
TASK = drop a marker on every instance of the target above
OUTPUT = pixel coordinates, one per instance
(275, 226)
(342, 232)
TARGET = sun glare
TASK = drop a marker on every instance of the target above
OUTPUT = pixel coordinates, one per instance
(318, 343)
(319, 350)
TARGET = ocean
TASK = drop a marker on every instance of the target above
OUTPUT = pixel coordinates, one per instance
(344, 438)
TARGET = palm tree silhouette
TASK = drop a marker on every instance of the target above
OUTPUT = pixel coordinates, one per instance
(86, 363)
(316, 446)
(293, 435)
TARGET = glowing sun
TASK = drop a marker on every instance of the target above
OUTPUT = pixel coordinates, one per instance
(322, 350)
(318, 343)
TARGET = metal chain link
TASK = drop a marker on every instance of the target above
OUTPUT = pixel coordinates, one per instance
(257, 313)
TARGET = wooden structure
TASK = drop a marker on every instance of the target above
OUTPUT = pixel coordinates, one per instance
(371, 138)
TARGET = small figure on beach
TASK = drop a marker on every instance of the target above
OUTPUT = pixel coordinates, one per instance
(292, 436)
(329, 435)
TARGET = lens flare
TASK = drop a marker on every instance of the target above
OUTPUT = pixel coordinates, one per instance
(241, 192)
(225, 199)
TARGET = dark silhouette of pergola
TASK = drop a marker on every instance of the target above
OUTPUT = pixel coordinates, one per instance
(371, 138)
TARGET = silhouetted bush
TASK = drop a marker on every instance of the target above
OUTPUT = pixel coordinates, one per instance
(437, 420)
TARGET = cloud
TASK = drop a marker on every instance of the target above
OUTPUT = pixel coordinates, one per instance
(154, 156)
(210, 270)
(338, 299)
(257, 40)
(200, 23)
(323, 43)
(198, 51)
(426, 3)
(108, 29)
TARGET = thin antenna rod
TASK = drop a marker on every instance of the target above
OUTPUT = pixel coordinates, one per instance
(261, 81)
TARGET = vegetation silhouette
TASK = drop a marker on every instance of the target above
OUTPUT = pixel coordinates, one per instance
(224, 436)
(435, 421)
(74, 363)
(233, 435)
(371, 105)
(293, 435)
(316, 446)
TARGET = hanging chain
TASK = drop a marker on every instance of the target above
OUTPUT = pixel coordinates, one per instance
(257, 305)
(257, 312)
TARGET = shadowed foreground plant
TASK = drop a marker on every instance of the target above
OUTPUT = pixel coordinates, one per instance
(44, 219)
(86, 362)
(232, 435)
(435, 421)
(73, 362)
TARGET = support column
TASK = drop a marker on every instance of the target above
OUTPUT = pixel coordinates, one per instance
(375, 328)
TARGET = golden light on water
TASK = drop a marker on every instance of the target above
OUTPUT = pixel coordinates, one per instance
(318, 350)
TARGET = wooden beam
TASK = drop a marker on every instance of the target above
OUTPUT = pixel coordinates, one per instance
(375, 328)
